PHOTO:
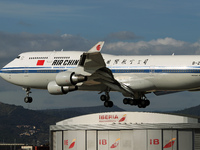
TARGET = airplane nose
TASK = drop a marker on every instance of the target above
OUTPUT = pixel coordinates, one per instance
(0, 72)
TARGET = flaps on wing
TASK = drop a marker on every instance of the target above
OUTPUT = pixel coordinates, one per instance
(105, 76)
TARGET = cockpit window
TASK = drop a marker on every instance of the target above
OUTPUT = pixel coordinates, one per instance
(18, 57)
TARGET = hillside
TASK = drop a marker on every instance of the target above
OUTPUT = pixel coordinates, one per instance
(31, 126)
(77, 111)
(193, 111)
(23, 125)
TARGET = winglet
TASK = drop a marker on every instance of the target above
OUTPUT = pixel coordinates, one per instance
(97, 47)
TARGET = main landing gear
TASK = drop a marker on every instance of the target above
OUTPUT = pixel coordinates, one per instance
(28, 99)
(106, 99)
(141, 103)
(140, 100)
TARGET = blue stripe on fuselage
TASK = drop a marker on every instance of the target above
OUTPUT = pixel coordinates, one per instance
(18, 70)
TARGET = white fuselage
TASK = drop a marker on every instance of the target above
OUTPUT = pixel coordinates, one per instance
(141, 73)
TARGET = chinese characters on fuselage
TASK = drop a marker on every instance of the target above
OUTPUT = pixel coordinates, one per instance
(67, 62)
(126, 62)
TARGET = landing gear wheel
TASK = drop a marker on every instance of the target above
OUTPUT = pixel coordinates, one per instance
(139, 100)
(143, 103)
(140, 106)
(126, 101)
(108, 103)
(104, 98)
(133, 102)
(130, 101)
(147, 102)
(28, 99)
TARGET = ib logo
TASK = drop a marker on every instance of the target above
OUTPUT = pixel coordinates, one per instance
(170, 143)
(114, 145)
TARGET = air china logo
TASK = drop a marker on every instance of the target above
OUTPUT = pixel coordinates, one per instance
(112, 118)
(114, 145)
(98, 47)
(71, 145)
(170, 143)
(40, 62)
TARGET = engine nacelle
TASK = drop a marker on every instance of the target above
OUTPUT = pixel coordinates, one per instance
(69, 78)
(55, 89)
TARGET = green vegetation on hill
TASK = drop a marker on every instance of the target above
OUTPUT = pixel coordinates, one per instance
(31, 126)
(193, 111)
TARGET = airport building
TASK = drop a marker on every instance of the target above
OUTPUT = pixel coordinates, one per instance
(126, 131)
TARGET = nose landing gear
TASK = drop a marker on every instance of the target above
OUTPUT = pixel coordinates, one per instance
(28, 99)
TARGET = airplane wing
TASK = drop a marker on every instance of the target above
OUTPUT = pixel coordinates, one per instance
(106, 77)
(92, 64)
(90, 61)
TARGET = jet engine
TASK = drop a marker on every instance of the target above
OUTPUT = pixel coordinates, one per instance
(55, 89)
(69, 78)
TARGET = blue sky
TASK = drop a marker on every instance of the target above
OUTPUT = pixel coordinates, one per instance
(150, 19)
(131, 27)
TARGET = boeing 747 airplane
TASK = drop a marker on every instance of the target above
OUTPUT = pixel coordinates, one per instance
(61, 72)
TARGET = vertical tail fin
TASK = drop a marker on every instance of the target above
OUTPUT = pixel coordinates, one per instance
(97, 47)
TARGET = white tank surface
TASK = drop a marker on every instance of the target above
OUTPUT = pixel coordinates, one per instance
(127, 117)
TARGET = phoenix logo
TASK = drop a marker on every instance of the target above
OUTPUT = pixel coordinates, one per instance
(114, 145)
(170, 143)
(98, 47)
(72, 144)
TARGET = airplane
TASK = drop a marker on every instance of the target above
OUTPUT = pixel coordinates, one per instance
(61, 72)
